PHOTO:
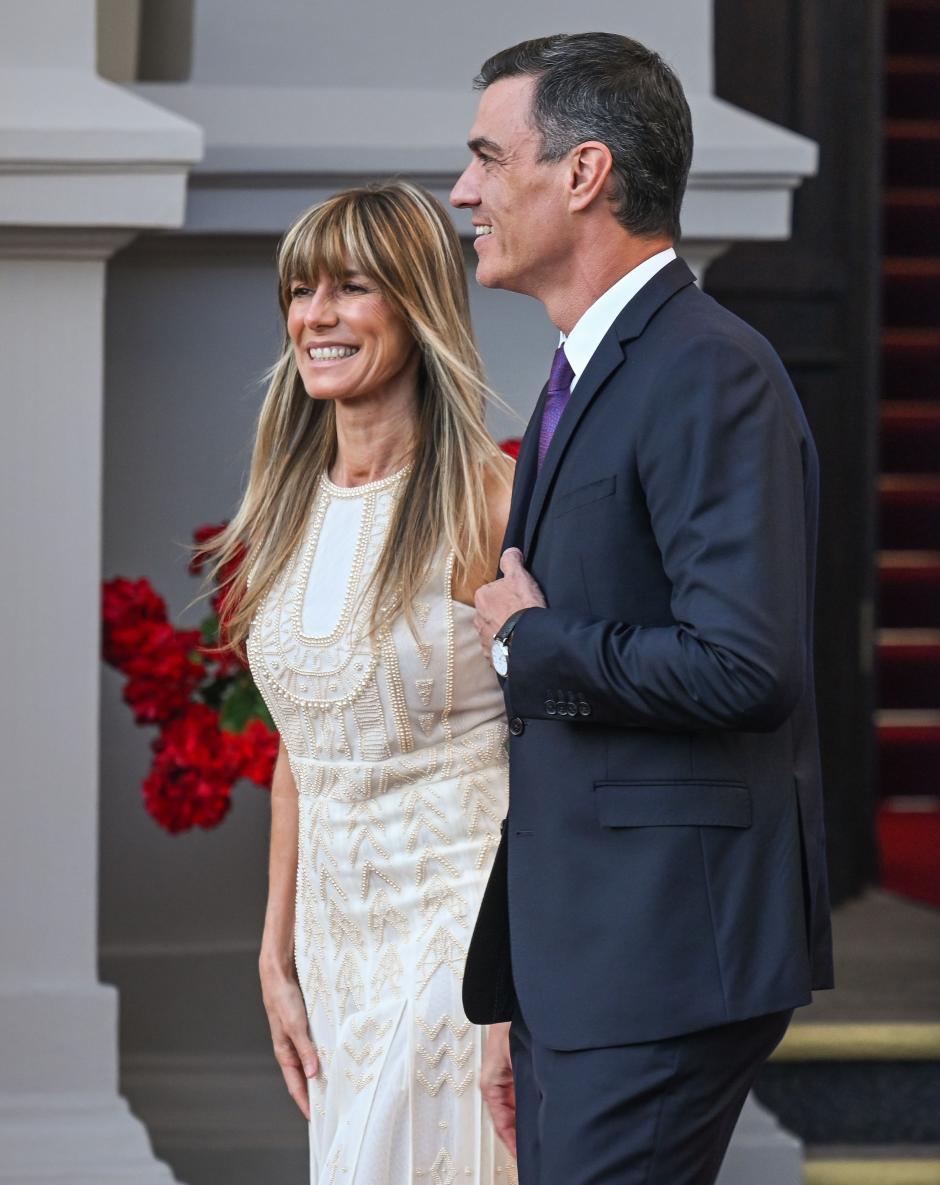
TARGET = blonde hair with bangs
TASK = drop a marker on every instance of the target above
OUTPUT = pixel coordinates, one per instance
(401, 237)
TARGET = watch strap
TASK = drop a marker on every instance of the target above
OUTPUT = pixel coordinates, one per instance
(502, 634)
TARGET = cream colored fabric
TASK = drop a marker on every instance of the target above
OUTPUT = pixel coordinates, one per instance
(397, 748)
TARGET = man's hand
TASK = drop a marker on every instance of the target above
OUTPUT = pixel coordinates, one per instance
(496, 1084)
(497, 601)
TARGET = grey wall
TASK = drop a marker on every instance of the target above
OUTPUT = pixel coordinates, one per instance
(425, 43)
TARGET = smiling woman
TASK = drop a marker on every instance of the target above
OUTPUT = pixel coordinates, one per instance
(376, 504)
(349, 342)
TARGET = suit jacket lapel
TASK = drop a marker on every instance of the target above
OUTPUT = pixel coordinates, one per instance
(610, 354)
(524, 480)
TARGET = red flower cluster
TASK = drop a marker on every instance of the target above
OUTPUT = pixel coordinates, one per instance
(214, 727)
(160, 661)
(194, 768)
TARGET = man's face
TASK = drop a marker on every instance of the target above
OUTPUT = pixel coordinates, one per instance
(519, 206)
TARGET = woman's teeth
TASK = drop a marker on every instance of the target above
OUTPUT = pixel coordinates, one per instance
(322, 353)
(484, 230)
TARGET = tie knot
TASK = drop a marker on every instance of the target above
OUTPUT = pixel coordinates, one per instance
(560, 378)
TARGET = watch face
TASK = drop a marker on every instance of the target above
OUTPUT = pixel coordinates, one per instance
(500, 655)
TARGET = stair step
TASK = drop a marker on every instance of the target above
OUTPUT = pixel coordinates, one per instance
(908, 832)
(910, 436)
(908, 668)
(908, 749)
(912, 221)
(911, 25)
(908, 645)
(911, 86)
(899, 1041)
(908, 727)
(910, 290)
(910, 509)
(909, 588)
(912, 151)
(877, 1100)
(872, 1165)
(910, 360)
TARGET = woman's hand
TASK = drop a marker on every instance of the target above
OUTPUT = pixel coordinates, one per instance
(290, 1034)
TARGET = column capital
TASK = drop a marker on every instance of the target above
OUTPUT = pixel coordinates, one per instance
(76, 151)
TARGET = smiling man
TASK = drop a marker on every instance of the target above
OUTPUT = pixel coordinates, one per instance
(658, 905)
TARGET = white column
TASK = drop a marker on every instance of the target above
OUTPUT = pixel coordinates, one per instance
(82, 166)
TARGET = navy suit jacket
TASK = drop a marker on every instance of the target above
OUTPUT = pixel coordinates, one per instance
(662, 866)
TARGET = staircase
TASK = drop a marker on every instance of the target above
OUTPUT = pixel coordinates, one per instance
(908, 716)
(857, 1076)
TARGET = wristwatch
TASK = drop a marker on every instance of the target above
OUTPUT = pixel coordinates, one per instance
(499, 651)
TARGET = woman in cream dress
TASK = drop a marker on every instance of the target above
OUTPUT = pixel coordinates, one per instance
(376, 505)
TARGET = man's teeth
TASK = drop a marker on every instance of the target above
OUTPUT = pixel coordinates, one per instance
(484, 230)
(322, 353)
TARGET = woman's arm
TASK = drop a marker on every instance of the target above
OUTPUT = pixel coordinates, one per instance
(280, 990)
(498, 490)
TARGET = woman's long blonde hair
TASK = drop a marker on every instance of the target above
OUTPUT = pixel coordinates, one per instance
(401, 237)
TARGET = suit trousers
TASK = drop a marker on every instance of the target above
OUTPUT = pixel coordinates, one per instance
(654, 1113)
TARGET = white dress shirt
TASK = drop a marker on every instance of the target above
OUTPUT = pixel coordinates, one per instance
(593, 324)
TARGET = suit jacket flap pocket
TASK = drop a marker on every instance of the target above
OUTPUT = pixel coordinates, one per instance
(567, 500)
(673, 804)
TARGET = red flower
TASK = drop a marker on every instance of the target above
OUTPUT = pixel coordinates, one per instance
(195, 766)
(163, 673)
(127, 608)
(204, 534)
(511, 446)
(258, 746)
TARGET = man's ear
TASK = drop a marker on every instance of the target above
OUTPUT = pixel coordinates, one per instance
(590, 167)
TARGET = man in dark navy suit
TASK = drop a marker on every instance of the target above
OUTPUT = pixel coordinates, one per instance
(658, 905)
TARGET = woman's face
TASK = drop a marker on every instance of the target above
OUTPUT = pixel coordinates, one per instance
(348, 341)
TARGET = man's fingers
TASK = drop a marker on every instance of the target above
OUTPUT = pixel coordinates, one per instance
(501, 1103)
(511, 561)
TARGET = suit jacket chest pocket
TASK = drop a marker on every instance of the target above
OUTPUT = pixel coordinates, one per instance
(584, 496)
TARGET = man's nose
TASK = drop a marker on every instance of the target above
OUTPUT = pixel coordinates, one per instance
(464, 192)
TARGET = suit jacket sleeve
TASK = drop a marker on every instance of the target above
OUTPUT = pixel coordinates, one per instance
(719, 459)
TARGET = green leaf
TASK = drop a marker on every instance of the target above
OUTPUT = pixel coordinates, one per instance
(209, 628)
(242, 704)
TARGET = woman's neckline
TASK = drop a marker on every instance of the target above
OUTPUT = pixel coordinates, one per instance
(368, 487)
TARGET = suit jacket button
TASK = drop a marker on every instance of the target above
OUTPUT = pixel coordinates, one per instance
(517, 726)
(584, 707)
(550, 707)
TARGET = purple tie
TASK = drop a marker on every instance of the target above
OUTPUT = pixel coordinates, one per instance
(559, 392)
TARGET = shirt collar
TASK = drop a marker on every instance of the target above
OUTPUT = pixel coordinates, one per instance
(586, 336)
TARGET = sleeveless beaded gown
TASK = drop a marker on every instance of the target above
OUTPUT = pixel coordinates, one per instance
(396, 746)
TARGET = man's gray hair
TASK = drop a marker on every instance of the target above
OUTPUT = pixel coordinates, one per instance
(605, 87)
